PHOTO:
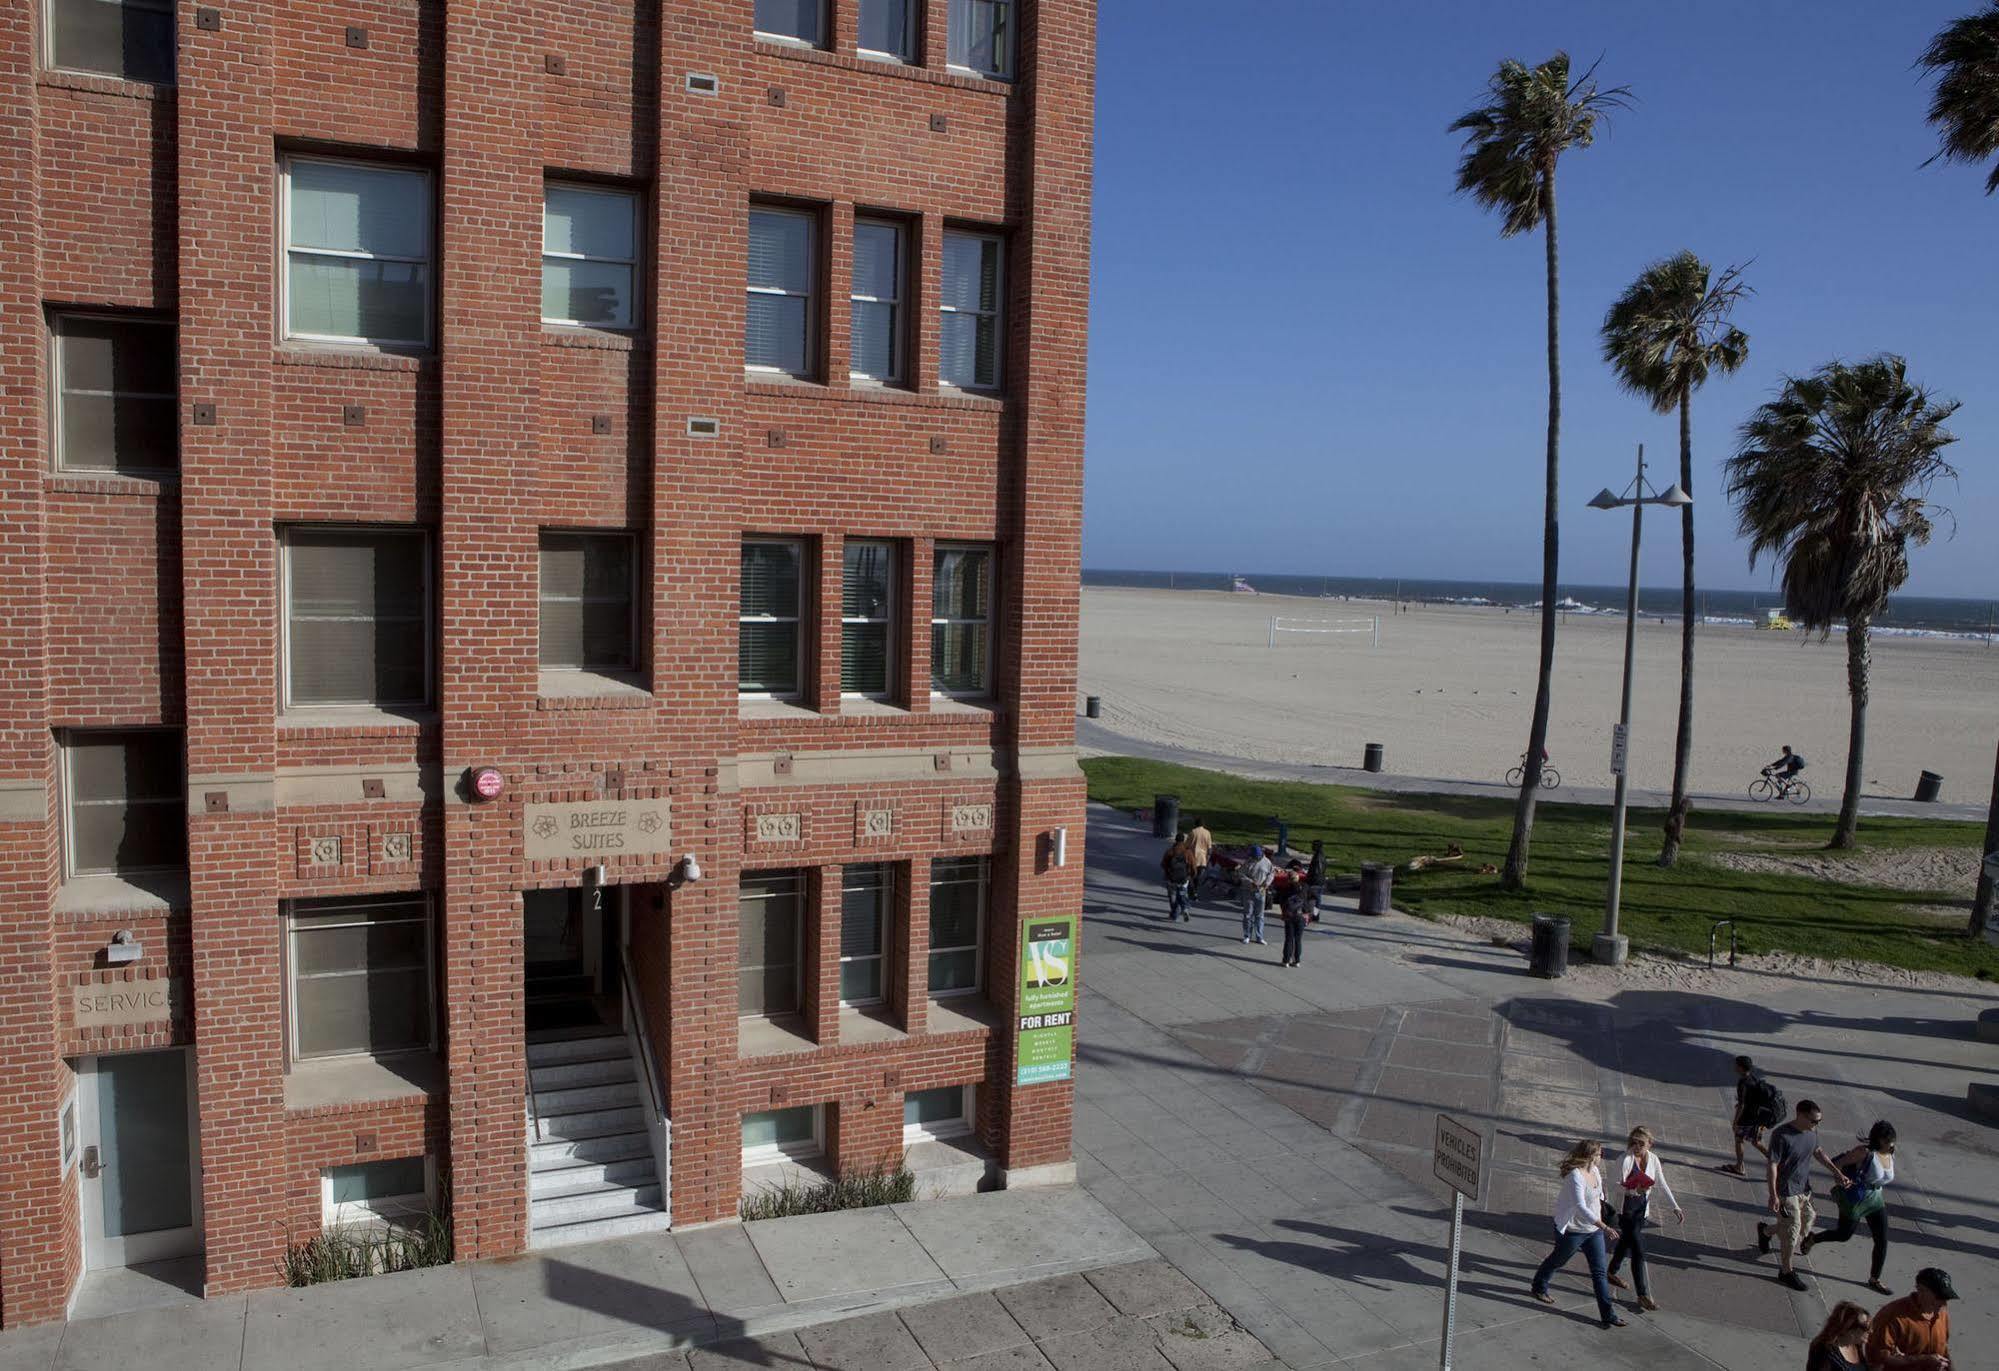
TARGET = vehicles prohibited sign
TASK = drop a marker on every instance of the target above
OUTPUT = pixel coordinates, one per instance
(1457, 1159)
(1046, 1033)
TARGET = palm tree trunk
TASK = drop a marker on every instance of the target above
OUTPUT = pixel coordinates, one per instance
(1856, 741)
(1515, 873)
(1988, 889)
(1683, 741)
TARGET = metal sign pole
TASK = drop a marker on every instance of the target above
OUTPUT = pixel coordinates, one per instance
(1451, 1280)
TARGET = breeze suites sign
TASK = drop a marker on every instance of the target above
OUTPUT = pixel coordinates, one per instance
(1047, 1032)
(595, 829)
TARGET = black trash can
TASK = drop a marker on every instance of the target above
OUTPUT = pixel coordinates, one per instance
(1928, 786)
(1165, 815)
(1377, 883)
(1550, 956)
(1371, 759)
(1093, 706)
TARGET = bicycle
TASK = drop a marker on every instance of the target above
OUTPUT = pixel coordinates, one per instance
(1769, 787)
(1550, 778)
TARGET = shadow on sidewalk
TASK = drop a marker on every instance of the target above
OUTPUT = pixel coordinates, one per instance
(651, 1308)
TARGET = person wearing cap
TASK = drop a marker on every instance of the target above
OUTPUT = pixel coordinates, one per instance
(1913, 1333)
(1257, 874)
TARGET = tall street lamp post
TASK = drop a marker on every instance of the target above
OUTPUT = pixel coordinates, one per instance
(1610, 946)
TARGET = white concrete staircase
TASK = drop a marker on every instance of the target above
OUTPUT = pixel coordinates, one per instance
(591, 1173)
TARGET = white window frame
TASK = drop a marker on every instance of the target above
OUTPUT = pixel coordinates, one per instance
(978, 946)
(997, 313)
(385, 1212)
(289, 911)
(1007, 59)
(631, 197)
(787, 1152)
(898, 370)
(886, 941)
(810, 295)
(907, 53)
(958, 1127)
(825, 31)
(429, 700)
(631, 541)
(429, 259)
(986, 690)
(887, 620)
(49, 41)
(798, 874)
(58, 447)
(66, 783)
(797, 621)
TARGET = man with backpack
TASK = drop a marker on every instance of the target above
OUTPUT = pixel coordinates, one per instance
(1178, 868)
(1759, 1104)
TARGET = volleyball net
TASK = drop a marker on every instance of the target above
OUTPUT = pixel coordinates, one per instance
(1371, 626)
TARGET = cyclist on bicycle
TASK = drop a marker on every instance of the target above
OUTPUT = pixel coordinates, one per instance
(1786, 767)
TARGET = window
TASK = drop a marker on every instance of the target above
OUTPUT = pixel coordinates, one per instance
(133, 39)
(770, 917)
(961, 610)
(357, 249)
(361, 976)
(875, 307)
(127, 793)
(767, 649)
(887, 29)
(776, 1134)
(375, 1192)
(957, 924)
(982, 37)
(945, 1112)
(589, 256)
(357, 617)
(587, 600)
(867, 590)
(115, 387)
(867, 902)
(968, 344)
(783, 268)
(800, 21)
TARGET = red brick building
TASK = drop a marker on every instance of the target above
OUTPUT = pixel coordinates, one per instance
(469, 736)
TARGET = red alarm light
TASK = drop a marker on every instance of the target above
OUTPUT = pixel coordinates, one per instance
(487, 783)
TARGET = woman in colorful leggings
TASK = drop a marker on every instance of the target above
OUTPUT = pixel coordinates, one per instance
(1872, 1167)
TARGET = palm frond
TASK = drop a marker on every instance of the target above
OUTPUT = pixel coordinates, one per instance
(1532, 115)
(1964, 57)
(1669, 330)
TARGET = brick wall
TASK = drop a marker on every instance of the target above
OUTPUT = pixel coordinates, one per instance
(128, 601)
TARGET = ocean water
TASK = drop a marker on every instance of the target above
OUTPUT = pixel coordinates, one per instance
(1926, 615)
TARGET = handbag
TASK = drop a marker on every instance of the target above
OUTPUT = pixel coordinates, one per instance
(1607, 1216)
(1858, 1201)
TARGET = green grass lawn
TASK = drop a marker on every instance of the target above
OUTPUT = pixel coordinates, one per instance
(1661, 909)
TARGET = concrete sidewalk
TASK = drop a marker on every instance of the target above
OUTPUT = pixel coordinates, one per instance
(603, 1303)
(1095, 737)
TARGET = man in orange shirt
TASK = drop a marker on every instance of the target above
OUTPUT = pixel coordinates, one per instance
(1913, 1333)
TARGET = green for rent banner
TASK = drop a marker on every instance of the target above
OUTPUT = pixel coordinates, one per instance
(1047, 1030)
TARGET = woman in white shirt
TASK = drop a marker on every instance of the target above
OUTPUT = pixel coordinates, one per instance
(1640, 1174)
(1579, 1228)
(1871, 1166)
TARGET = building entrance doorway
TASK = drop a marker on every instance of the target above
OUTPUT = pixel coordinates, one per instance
(139, 1160)
(570, 974)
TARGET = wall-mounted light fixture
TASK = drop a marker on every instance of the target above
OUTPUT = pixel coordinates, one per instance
(686, 873)
(1058, 846)
(123, 947)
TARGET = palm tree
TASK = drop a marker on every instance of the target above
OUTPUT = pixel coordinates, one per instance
(1964, 57)
(1833, 479)
(1532, 116)
(1663, 338)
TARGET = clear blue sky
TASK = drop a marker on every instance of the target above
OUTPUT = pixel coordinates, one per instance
(1307, 355)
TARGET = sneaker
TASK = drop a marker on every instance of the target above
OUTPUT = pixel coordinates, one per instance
(1763, 1237)
(1792, 1279)
(1261, 943)
(1245, 943)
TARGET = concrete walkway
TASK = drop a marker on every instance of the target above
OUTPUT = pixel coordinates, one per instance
(653, 1296)
(1269, 1130)
(1095, 737)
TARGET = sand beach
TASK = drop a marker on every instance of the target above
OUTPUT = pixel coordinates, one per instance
(1449, 691)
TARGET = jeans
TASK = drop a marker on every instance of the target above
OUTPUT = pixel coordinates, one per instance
(1590, 1244)
(1252, 915)
(1294, 939)
(1176, 900)
(1877, 1224)
(1630, 1244)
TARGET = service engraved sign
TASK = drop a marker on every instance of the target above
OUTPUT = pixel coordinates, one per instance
(127, 1004)
(595, 829)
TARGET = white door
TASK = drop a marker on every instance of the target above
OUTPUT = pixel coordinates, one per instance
(140, 1162)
